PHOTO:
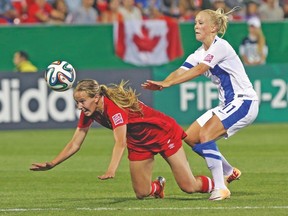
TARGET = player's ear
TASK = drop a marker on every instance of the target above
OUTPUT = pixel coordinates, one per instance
(97, 98)
(213, 28)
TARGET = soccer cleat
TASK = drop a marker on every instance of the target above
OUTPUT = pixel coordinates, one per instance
(234, 176)
(220, 194)
(160, 181)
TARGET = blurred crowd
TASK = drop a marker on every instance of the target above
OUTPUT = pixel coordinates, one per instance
(108, 11)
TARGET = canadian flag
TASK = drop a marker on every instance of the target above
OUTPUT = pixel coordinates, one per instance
(147, 42)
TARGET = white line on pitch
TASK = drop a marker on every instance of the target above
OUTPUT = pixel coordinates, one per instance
(141, 209)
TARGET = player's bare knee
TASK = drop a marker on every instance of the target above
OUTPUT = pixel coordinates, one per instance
(188, 188)
(141, 195)
(189, 141)
(204, 137)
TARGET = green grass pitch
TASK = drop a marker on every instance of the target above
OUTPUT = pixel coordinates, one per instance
(72, 188)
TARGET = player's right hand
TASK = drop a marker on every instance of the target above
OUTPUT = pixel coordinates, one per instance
(41, 166)
(152, 85)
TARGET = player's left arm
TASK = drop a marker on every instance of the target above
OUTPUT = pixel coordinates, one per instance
(117, 153)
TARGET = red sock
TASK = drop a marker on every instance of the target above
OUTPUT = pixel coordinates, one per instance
(154, 188)
(207, 184)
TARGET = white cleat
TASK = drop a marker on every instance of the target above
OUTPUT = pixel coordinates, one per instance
(220, 194)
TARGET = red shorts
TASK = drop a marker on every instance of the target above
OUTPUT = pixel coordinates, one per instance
(148, 151)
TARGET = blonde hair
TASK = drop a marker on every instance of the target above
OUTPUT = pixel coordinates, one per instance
(220, 18)
(122, 95)
(261, 41)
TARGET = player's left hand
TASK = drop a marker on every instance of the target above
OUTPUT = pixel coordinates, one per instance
(41, 166)
(106, 176)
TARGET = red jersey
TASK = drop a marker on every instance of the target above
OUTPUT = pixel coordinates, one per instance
(150, 127)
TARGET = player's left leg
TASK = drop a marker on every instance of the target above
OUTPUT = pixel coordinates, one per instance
(184, 176)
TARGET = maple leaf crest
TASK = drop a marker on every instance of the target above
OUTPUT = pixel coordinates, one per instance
(145, 43)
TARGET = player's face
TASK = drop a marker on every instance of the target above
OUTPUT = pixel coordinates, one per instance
(253, 30)
(17, 58)
(87, 104)
(202, 26)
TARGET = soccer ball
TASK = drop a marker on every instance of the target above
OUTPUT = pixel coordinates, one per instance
(60, 75)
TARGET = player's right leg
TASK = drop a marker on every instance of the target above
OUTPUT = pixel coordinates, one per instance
(208, 128)
(230, 173)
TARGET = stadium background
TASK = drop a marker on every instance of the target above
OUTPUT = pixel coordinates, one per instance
(260, 150)
(25, 101)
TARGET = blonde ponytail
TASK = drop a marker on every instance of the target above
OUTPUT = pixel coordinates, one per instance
(220, 18)
(121, 95)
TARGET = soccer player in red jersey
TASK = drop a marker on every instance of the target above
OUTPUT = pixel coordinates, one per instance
(143, 130)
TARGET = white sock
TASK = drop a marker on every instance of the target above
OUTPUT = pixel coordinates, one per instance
(212, 155)
(216, 168)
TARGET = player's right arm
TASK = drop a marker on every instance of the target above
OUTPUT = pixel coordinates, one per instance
(71, 148)
(179, 76)
(154, 85)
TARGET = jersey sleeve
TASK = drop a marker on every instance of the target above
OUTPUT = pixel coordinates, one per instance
(190, 61)
(84, 121)
(216, 54)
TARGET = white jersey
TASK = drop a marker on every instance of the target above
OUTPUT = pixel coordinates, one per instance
(226, 70)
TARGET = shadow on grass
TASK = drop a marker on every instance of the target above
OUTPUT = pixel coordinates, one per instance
(119, 200)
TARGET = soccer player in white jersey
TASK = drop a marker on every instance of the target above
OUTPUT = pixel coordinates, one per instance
(238, 105)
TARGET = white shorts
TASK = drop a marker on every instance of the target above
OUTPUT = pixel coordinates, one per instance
(235, 115)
